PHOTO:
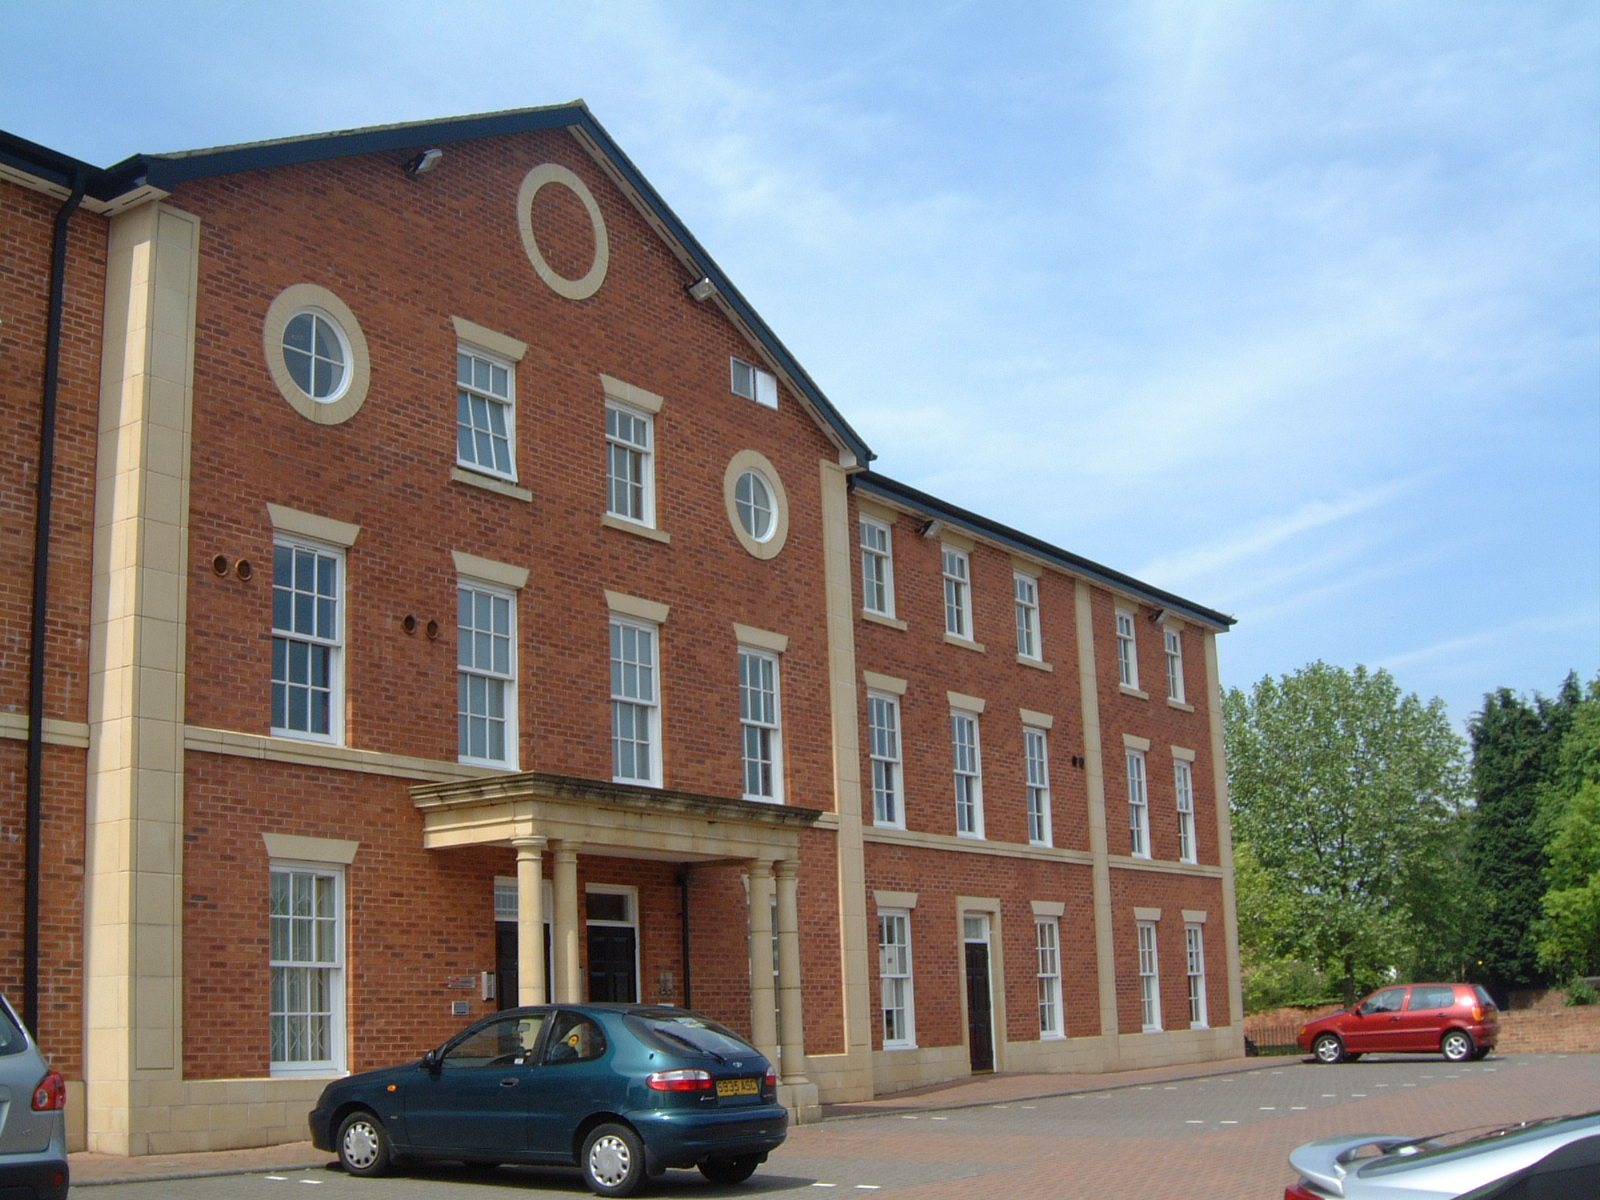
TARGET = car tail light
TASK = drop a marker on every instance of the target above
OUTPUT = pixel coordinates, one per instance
(50, 1093)
(771, 1080)
(1300, 1192)
(690, 1080)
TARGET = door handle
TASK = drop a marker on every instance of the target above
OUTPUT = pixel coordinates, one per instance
(509, 1081)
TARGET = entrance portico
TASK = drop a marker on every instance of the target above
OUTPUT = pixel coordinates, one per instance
(538, 814)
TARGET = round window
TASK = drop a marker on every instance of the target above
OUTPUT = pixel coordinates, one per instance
(752, 500)
(317, 355)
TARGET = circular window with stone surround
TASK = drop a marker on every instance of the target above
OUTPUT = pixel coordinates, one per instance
(316, 354)
(758, 507)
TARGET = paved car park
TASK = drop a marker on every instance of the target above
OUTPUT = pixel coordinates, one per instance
(1218, 1132)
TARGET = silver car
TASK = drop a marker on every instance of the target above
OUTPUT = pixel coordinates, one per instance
(1557, 1158)
(33, 1125)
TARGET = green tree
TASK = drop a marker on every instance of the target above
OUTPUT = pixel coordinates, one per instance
(1569, 818)
(1515, 755)
(1349, 796)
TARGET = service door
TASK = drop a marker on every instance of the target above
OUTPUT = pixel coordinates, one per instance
(980, 1003)
(612, 974)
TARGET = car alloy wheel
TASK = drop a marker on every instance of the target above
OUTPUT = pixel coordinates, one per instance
(613, 1161)
(1457, 1046)
(1328, 1048)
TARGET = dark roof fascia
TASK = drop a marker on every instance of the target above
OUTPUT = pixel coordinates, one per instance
(909, 497)
(53, 168)
(734, 298)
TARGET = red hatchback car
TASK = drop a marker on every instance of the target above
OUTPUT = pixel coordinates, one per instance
(1458, 1020)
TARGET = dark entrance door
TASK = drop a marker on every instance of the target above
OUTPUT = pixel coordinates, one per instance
(505, 965)
(980, 1017)
(612, 976)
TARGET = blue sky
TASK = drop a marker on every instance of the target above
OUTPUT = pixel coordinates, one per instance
(1292, 308)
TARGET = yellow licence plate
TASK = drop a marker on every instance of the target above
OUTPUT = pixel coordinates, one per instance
(738, 1087)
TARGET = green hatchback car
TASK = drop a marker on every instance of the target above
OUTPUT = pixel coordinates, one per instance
(623, 1092)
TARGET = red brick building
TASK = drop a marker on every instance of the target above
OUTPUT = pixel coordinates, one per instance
(441, 550)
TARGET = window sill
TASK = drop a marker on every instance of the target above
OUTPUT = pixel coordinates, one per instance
(1038, 664)
(1179, 705)
(489, 483)
(899, 1045)
(880, 619)
(638, 530)
(965, 643)
(888, 825)
(1130, 690)
(970, 836)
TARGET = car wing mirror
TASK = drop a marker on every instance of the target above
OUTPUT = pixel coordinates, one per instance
(430, 1060)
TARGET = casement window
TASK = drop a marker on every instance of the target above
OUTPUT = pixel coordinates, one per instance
(1173, 641)
(635, 704)
(877, 568)
(957, 594)
(630, 464)
(1036, 751)
(485, 413)
(1195, 944)
(317, 354)
(1127, 650)
(307, 970)
(1047, 932)
(968, 769)
(1183, 785)
(894, 978)
(760, 725)
(1027, 591)
(1149, 978)
(753, 502)
(753, 383)
(307, 641)
(486, 678)
(888, 783)
(1138, 806)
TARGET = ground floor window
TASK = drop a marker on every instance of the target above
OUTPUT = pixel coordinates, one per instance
(894, 974)
(1149, 978)
(1194, 938)
(1049, 939)
(307, 1010)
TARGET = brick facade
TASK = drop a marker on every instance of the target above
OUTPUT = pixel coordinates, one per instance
(419, 840)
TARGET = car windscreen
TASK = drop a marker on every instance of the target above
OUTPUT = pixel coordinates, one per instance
(686, 1033)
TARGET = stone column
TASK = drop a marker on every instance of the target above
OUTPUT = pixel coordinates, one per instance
(763, 999)
(791, 1013)
(564, 931)
(530, 919)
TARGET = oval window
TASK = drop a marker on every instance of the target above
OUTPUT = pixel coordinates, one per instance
(752, 499)
(317, 355)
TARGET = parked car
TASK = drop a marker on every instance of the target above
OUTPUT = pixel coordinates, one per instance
(1553, 1159)
(621, 1091)
(1458, 1020)
(33, 1122)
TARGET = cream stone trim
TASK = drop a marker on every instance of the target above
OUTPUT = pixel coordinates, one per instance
(885, 835)
(878, 512)
(320, 529)
(57, 732)
(965, 703)
(570, 289)
(489, 483)
(133, 966)
(880, 619)
(296, 298)
(487, 339)
(1037, 720)
(623, 525)
(198, 739)
(883, 899)
(634, 606)
(978, 904)
(1194, 916)
(293, 848)
(1095, 782)
(958, 541)
(1146, 914)
(627, 393)
(747, 460)
(760, 639)
(1182, 754)
(1180, 705)
(965, 643)
(884, 683)
(1049, 908)
(1129, 690)
(489, 571)
(1135, 743)
(1036, 663)
(1156, 866)
(1025, 566)
(1219, 785)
